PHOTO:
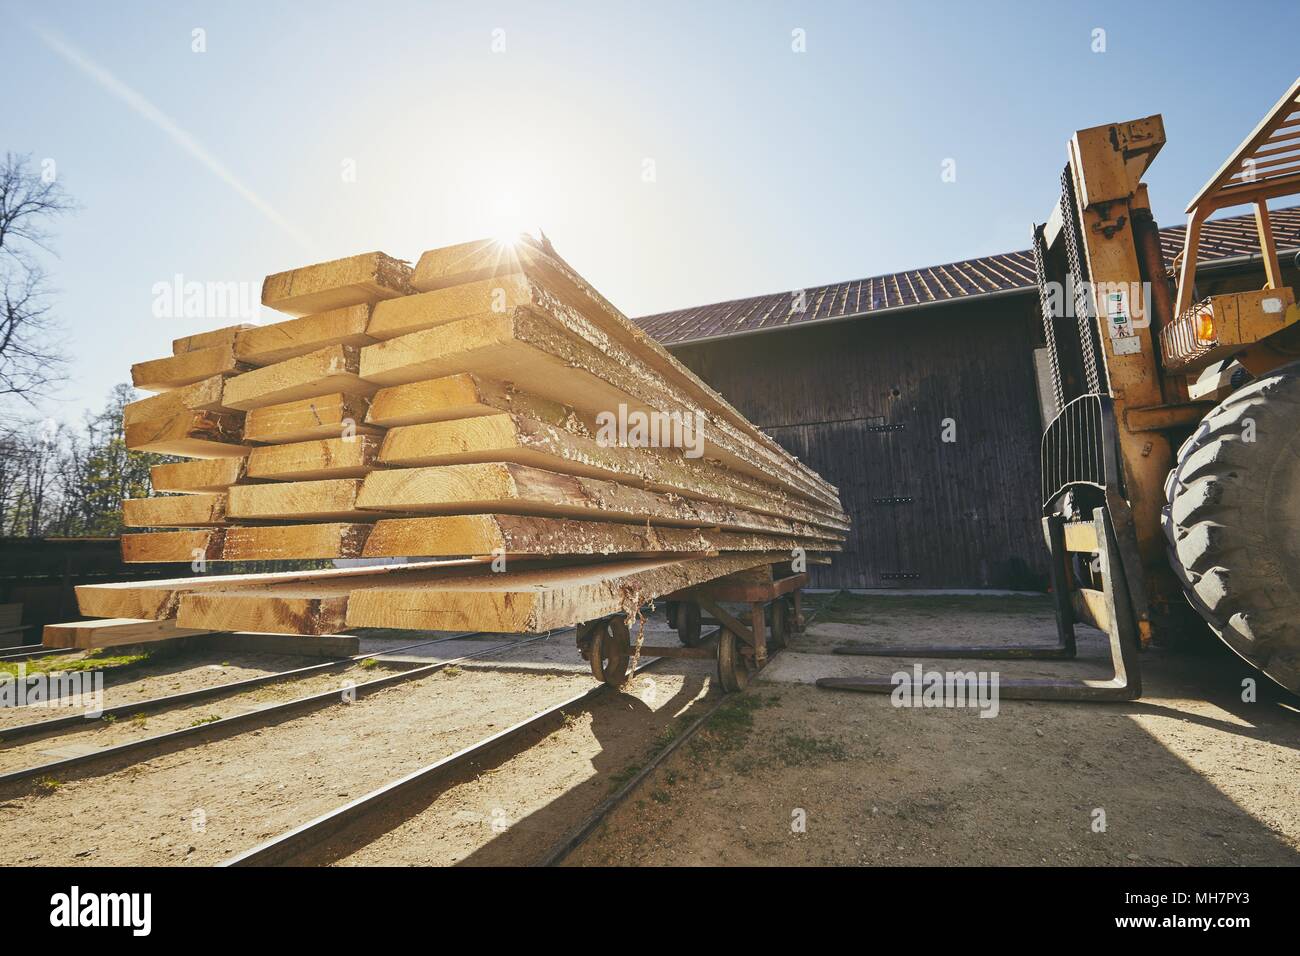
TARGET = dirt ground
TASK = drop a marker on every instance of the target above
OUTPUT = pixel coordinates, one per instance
(516, 808)
(162, 673)
(199, 805)
(785, 773)
(791, 774)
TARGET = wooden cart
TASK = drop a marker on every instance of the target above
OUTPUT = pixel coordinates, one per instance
(773, 593)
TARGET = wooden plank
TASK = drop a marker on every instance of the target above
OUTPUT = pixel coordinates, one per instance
(427, 309)
(161, 375)
(149, 547)
(278, 341)
(158, 599)
(356, 280)
(503, 488)
(303, 610)
(325, 416)
(332, 499)
(587, 313)
(175, 511)
(295, 542)
(466, 396)
(191, 434)
(197, 477)
(325, 371)
(539, 357)
(310, 460)
(114, 632)
(532, 601)
(524, 535)
(513, 438)
(201, 396)
(525, 600)
(204, 340)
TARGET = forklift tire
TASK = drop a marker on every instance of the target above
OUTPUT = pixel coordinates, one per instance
(1232, 520)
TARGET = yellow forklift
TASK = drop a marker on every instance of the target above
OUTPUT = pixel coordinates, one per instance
(1171, 472)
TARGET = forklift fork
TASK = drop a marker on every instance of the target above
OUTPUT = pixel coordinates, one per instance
(1078, 458)
(1108, 609)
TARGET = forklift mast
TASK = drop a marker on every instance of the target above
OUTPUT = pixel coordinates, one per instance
(1105, 296)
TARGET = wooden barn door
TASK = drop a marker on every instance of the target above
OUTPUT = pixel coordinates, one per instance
(860, 457)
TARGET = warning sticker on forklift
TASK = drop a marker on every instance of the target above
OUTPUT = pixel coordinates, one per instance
(1118, 318)
(1119, 322)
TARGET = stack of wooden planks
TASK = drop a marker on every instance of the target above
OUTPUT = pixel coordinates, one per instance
(486, 408)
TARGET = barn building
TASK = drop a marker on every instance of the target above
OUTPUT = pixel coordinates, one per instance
(922, 396)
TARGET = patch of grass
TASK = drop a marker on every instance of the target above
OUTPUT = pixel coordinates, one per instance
(667, 735)
(620, 777)
(795, 749)
(369, 664)
(452, 671)
(93, 661)
(205, 720)
(660, 796)
(109, 718)
(728, 727)
(48, 785)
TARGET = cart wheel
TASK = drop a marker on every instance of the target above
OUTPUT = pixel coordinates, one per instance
(670, 612)
(611, 651)
(688, 623)
(734, 667)
(781, 615)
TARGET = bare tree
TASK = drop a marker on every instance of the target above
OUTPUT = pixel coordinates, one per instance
(30, 358)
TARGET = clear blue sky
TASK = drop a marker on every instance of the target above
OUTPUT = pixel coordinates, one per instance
(772, 169)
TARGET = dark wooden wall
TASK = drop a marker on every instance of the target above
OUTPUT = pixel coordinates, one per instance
(864, 401)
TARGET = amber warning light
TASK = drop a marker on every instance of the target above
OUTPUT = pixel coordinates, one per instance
(1205, 334)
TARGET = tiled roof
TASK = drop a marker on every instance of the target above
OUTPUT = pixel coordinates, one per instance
(1008, 272)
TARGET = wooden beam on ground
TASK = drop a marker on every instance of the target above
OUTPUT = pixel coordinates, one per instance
(325, 416)
(190, 434)
(357, 280)
(333, 499)
(175, 511)
(352, 457)
(198, 477)
(159, 547)
(158, 599)
(114, 632)
(503, 488)
(175, 371)
(268, 344)
(325, 371)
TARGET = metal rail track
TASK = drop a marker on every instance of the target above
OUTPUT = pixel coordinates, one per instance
(292, 843)
(239, 723)
(36, 728)
(36, 651)
(580, 834)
